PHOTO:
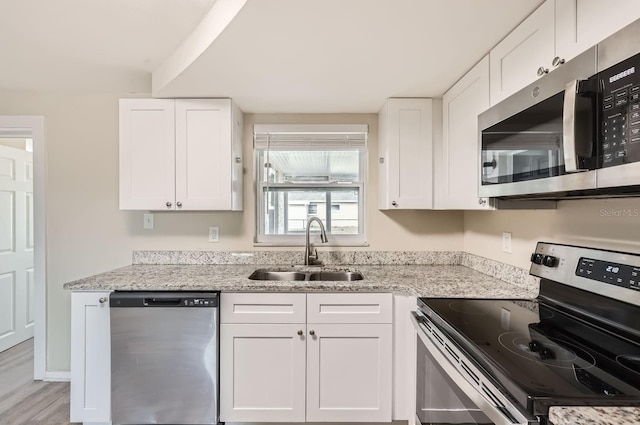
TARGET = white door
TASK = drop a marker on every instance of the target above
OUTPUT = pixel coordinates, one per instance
(349, 372)
(16, 243)
(262, 374)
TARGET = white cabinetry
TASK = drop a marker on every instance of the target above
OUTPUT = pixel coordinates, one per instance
(456, 159)
(556, 32)
(182, 154)
(516, 61)
(322, 370)
(407, 130)
(90, 357)
(582, 23)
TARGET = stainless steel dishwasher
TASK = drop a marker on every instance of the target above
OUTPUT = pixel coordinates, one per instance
(164, 357)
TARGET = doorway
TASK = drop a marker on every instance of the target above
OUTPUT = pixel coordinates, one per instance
(22, 234)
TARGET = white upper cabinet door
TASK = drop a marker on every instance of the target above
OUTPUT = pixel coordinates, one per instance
(456, 163)
(147, 154)
(203, 154)
(581, 24)
(349, 373)
(407, 129)
(515, 62)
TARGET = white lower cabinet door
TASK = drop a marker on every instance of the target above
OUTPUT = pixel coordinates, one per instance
(349, 372)
(262, 372)
(90, 357)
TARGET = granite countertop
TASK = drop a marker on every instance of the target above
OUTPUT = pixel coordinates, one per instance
(418, 280)
(613, 415)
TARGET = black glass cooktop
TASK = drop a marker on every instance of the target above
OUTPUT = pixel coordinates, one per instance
(540, 354)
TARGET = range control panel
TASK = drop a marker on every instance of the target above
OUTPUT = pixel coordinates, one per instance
(620, 113)
(608, 272)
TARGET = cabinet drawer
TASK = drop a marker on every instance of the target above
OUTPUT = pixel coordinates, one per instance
(262, 308)
(349, 308)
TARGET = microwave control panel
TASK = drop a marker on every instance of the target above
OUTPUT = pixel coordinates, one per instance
(620, 113)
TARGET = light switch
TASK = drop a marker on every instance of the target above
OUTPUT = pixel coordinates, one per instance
(214, 234)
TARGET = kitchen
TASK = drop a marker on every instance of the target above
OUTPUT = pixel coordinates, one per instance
(97, 237)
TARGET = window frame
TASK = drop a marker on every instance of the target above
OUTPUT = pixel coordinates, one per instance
(359, 239)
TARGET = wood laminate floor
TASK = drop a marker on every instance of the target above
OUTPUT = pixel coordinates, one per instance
(25, 401)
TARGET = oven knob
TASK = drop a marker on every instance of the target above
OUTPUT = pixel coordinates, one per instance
(536, 258)
(535, 346)
(550, 261)
(545, 353)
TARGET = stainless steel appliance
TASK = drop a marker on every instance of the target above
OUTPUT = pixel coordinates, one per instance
(574, 132)
(487, 361)
(164, 357)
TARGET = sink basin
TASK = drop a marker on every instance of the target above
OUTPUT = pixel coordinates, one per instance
(325, 275)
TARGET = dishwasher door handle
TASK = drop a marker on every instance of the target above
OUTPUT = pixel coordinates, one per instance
(151, 302)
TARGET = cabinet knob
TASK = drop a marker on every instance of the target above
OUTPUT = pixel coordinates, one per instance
(381, 160)
(482, 201)
(238, 160)
(557, 61)
(542, 70)
(312, 332)
(300, 333)
(103, 300)
(168, 204)
(394, 203)
(179, 204)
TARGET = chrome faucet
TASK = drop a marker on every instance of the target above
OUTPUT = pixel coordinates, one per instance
(308, 257)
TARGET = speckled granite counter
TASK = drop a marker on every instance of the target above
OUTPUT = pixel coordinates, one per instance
(419, 280)
(594, 415)
(429, 274)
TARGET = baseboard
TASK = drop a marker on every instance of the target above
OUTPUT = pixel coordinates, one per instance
(63, 376)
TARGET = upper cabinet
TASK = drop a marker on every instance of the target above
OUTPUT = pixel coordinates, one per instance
(456, 158)
(581, 24)
(407, 130)
(554, 33)
(180, 154)
(524, 54)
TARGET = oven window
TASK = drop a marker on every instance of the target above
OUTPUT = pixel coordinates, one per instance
(438, 398)
(526, 146)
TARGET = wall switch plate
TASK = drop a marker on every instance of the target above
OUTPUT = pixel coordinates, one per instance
(506, 242)
(214, 234)
(147, 221)
(505, 319)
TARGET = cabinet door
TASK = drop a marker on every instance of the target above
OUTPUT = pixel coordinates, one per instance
(90, 357)
(516, 59)
(582, 23)
(147, 154)
(262, 373)
(407, 130)
(456, 164)
(203, 154)
(349, 373)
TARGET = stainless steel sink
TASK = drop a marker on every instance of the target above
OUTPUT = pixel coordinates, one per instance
(324, 275)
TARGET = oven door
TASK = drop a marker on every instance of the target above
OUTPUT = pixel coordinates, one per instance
(450, 389)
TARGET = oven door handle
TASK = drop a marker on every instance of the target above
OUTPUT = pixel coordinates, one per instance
(575, 142)
(493, 408)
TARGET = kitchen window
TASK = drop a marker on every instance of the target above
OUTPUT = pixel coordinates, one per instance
(310, 171)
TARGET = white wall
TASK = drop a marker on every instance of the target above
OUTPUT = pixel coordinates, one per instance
(609, 224)
(87, 234)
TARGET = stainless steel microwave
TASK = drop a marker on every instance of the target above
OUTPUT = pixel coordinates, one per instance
(575, 132)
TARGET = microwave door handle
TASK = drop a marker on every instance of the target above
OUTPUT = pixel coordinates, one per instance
(570, 144)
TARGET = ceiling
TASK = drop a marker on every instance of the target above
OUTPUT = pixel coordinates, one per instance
(270, 56)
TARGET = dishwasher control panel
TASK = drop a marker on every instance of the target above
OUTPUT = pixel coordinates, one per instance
(163, 299)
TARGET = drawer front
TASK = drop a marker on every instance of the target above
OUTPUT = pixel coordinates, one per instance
(262, 308)
(349, 308)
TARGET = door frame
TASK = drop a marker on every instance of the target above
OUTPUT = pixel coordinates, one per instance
(32, 126)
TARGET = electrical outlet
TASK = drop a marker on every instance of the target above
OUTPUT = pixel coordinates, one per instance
(147, 221)
(506, 242)
(214, 234)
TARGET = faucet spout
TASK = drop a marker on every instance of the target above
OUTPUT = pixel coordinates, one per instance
(310, 258)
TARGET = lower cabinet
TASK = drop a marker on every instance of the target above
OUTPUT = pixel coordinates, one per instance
(315, 372)
(90, 357)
